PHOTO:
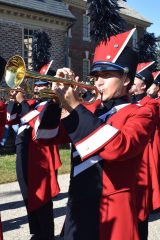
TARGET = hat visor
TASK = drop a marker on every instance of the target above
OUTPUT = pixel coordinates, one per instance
(38, 83)
(138, 75)
(105, 66)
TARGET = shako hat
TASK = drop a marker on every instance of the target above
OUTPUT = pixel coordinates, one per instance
(144, 73)
(156, 77)
(44, 70)
(115, 55)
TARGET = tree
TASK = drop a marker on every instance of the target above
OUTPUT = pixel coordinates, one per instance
(40, 50)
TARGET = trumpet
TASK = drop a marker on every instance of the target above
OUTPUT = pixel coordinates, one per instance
(8, 93)
(15, 73)
(8, 90)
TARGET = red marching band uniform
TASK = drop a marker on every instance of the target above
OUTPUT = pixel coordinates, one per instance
(156, 76)
(40, 159)
(106, 158)
(121, 185)
(148, 185)
(148, 188)
(36, 166)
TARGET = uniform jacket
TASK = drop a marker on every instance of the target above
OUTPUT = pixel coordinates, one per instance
(148, 185)
(38, 162)
(106, 156)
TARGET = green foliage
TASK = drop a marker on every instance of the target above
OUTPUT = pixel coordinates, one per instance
(65, 159)
(8, 166)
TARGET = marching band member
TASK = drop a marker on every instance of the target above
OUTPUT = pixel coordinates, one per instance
(142, 82)
(108, 142)
(147, 189)
(155, 87)
(36, 166)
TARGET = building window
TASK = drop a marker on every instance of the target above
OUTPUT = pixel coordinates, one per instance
(69, 62)
(86, 28)
(86, 68)
(28, 38)
(69, 33)
(134, 39)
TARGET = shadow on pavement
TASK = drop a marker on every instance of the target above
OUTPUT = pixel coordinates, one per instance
(58, 212)
(11, 205)
(14, 223)
(60, 196)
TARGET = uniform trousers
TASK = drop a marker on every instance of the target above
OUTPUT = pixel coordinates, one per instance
(143, 230)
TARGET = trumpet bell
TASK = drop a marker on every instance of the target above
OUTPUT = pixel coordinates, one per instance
(15, 71)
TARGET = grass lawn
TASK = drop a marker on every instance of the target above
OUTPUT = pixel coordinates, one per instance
(8, 166)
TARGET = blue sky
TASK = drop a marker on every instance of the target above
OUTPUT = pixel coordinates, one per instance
(150, 9)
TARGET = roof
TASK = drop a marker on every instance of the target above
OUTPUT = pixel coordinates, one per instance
(52, 7)
(128, 11)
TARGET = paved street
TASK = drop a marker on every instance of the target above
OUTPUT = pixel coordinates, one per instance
(14, 215)
(13, 212)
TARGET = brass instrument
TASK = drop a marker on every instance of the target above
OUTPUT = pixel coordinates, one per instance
(8, 93)
(15, 72)
(8, 90)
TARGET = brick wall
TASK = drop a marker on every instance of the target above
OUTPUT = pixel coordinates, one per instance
(10, 39)
(77, 45)
(58, 48)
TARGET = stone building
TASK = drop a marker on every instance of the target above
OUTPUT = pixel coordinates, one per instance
(81, 49)
(67, 24)
(19, 20)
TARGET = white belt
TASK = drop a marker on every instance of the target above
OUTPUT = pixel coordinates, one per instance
(22, 128)
(86, 164)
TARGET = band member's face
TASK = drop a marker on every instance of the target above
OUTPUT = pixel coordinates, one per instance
(139, 86)
(37, 88)
(133, 89)
(153, 90)
(111, 84)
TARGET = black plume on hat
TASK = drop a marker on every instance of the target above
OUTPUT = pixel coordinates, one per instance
(41, 54)
(2, 67)
(105, 19)
(147, 49)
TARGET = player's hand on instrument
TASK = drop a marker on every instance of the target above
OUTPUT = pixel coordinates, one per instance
(20, 97)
